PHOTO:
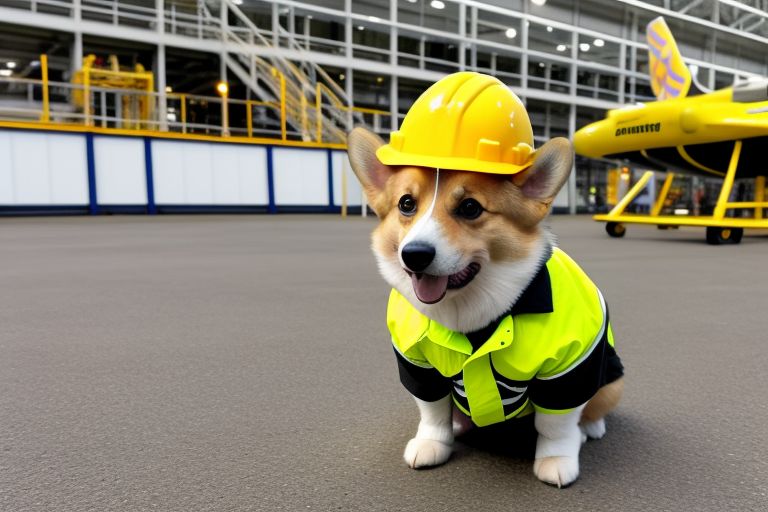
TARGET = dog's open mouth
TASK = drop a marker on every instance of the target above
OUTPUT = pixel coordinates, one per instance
(431, 289)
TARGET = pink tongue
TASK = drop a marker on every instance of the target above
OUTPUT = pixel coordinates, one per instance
(429, 289)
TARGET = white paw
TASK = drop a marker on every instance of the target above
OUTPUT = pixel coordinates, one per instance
(594, 429)
(559, 471)
(422, 453)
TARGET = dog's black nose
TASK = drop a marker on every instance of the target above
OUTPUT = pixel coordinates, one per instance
(417, 255)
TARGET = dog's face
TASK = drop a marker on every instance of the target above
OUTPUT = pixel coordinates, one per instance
(444, 234)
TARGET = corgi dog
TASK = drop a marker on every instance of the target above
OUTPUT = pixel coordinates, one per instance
(466, 254)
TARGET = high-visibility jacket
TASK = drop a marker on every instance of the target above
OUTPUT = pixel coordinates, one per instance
(552, 351)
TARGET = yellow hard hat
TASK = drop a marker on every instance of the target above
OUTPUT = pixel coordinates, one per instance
(466, 121)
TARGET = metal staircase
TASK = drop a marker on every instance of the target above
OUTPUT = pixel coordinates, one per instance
(313, 106)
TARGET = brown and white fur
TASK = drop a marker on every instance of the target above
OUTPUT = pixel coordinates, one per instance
(508, 243)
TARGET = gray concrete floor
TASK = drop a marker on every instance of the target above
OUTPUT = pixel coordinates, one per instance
(243, 363)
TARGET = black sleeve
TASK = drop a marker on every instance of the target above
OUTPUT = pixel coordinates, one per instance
(424, 383)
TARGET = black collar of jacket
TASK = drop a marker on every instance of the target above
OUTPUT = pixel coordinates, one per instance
(536, 298)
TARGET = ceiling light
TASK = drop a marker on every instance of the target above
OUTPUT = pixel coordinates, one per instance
(437, 4)
(237, 2)
(412, 1)
(538, 2)
(222, 88)
(11, 64)
(360, 27)
(5, 72)
(511, 33)
(35, 63)
(550, 29)
(561, 47)
(168, 88)
(374, 19)
(342, 76)
(541, 65)
(379, 79)
(599, 43)
(584, 47)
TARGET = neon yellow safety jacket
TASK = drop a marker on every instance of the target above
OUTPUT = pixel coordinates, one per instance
(551, 352)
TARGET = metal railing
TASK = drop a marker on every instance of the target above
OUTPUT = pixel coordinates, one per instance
(63, 103)
(308, 103)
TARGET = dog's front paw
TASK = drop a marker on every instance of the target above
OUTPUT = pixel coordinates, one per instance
(423, 453)
(559, 471)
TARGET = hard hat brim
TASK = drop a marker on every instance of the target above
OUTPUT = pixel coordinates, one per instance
(390, 156)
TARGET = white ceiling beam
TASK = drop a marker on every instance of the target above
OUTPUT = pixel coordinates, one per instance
(690, 6)
(644, 6)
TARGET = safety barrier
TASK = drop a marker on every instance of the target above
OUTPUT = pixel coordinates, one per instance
(92, 170)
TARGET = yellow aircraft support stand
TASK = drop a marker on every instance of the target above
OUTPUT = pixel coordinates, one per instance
(720, 229)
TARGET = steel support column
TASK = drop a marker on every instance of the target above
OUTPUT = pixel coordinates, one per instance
(572, 198)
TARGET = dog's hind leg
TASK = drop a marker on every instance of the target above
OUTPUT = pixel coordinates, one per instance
(461, 423)
(604, 401)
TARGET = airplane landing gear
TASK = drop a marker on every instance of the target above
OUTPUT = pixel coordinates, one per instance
(615, 229)
(718, 236)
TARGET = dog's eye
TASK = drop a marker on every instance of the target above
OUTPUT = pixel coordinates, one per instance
(407, 205)
(469, 209)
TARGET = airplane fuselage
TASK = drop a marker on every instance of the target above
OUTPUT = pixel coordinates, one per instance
(694, 133)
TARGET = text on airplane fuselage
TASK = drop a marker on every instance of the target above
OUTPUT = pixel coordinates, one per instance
(641, 128)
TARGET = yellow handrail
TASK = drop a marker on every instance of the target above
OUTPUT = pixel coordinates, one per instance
(249, 117)
(340, 105)
(318, 114)
(183, 98)
(46, 100)
(139, 110)
(364, 110)
(87, 95)
(304, 124)
(283, 127)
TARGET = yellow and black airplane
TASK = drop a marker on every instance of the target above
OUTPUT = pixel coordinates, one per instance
(722, 133)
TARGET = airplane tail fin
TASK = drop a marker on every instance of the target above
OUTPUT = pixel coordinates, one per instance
(670, 77)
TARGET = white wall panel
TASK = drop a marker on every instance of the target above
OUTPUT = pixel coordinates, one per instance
(7, 187)
(30, 164)
(301, 176)
(198, 173)
(42, 169)
(252, 162)
(225, 171)
(168, 172)
(201, 173)
(239, 174)
(68, 163)
(354, 190)
(121, 176)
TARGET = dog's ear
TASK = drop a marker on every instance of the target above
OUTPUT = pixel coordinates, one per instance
(549, 172)
(373, 175)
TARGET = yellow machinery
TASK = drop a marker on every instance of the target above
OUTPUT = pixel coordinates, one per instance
(136, 107)
(721, 134)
